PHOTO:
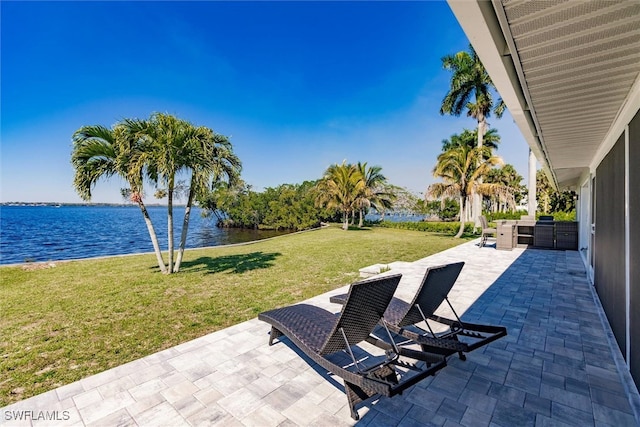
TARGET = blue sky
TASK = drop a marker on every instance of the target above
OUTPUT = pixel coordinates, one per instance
(297, 86)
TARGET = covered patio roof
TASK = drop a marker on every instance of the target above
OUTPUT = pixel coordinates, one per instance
(568, 71)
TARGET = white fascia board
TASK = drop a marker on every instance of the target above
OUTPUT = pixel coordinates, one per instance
(481, 26)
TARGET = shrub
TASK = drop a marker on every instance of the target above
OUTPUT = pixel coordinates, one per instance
(429, 226)
(557, 216)
(562, 216)
(286, 207)
(504, 215)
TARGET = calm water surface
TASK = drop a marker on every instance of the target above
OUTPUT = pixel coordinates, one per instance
(45, 233)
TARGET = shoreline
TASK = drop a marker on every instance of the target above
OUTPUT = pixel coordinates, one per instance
(37, 264)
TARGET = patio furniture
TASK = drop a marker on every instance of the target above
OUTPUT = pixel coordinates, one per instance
(402, 317)
(544, 234)
(507, 238)
(323, 336)
(567, 235)
(486, 230)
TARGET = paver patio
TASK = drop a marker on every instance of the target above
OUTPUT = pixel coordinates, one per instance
(555, 367)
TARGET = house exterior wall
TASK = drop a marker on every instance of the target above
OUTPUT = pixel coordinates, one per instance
(634, 247)
(618, 284)
(609, 274)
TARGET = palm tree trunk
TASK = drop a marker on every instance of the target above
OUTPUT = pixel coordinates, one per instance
(462, 222)
(152, 234)
(185, 226)
(345, 216)
(476, 210)
(361, 221)
(170, 225)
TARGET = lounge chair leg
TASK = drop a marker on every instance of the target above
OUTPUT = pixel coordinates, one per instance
(273, 335)
(355, 395)
(462, 355)
(354, 414)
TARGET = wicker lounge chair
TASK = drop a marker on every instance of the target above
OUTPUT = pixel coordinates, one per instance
(402, 317)
(486, 231)
(323, 337)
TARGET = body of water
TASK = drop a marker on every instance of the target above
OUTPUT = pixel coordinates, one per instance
(395, 217)
(48, 233)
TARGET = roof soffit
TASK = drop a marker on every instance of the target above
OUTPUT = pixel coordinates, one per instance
(569, 70)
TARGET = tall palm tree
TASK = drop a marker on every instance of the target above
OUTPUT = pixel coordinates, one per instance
(175, 146)
(340, 188)
(468, 137)
(165, 136)
(212, 161)
(471, 89)
(374, 192)
(100, 152)
(461, 168)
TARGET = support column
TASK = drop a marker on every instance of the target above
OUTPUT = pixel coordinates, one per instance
(532, 184)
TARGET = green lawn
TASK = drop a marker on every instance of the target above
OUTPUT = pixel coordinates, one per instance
(61, 324)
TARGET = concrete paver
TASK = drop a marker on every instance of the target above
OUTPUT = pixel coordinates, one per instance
(556, 366)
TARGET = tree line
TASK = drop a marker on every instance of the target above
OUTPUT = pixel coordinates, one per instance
(163, 147)
(344, 192)
(285, 207)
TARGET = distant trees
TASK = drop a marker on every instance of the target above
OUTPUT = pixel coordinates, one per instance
(285, 207)
(551, 201)
(446, 209)
(376, 192)
(353, 188)
(155, 150)
(512, 188)
(404, 201)
(340, 188)
(344, 191)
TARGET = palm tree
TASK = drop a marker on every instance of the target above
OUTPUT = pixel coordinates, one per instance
(470, 89)
(374, 192)
(544, 191)
(510, 180)
(468, 137)
(100, 152)
(165, 137)
(212, 161)
(340, 188)
(461, 168)
(174, 146)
